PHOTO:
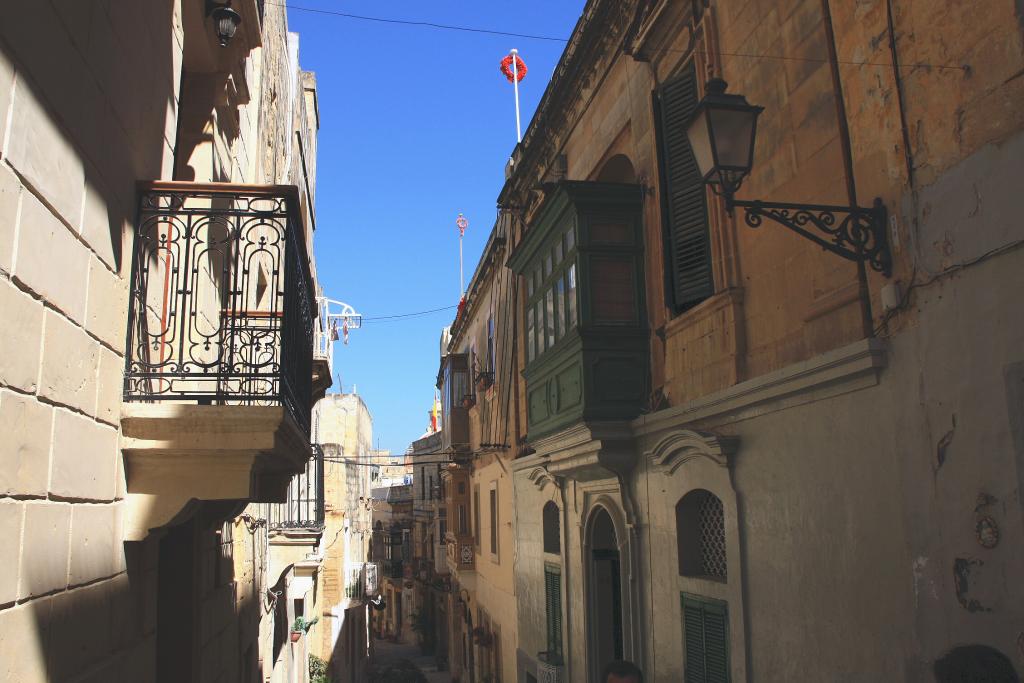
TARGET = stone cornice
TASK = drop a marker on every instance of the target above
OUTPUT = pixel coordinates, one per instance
(595, 43)
(852, 367)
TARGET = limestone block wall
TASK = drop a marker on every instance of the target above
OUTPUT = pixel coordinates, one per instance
(85, 113)
(89, 99)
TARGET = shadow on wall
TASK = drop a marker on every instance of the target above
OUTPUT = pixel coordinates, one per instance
(348, 660)
(94, 94)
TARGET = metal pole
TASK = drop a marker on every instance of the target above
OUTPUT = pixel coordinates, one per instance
(462, 287)
(515, 86)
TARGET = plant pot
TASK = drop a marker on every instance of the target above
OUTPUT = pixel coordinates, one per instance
(296, 635)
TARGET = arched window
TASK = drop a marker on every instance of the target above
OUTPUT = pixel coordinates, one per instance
(700, 535)
(552, 530)
(975, 663)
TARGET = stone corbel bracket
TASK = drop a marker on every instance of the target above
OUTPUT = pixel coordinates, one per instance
(680, 447)
(541, 478)
(174, 454)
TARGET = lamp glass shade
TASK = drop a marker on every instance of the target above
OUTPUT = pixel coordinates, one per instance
(226, 21)
(699, 135)
(732, 137)
(721, 135)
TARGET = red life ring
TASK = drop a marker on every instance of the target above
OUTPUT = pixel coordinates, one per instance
(506, 68)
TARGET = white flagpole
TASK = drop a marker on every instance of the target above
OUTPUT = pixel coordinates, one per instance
(462, 224)
(515, 84)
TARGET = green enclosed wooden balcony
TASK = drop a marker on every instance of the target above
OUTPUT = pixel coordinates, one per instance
(585, 321)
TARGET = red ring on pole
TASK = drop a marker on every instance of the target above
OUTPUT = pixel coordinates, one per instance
(506, 68)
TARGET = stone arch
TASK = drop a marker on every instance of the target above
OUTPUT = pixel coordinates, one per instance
(617, 169)
(975, 663)
(609, 603)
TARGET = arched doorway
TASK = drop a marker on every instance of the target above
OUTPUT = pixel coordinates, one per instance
(606, 640)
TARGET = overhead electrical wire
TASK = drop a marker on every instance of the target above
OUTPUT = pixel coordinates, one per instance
(402, 316)
(555, 39)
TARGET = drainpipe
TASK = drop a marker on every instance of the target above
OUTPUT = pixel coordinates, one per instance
(864, 295)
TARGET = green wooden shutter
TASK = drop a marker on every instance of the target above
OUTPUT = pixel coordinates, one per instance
(706, 640)
(687, 241)
(553, 609)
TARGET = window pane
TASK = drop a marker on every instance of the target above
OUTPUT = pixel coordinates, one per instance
(549, 325)
(558, 252)
(531, 340)
(540, 327)
(560, 306)
(570, 295)
(547, 266)
(494, 521)
(529, 285)
(570, 240)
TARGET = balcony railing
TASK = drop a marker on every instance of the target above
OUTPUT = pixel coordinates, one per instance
(393, 569)
(221, 308)
(304, 508)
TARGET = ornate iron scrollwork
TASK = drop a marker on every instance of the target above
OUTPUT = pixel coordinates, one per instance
(853, 232)
(221, 307)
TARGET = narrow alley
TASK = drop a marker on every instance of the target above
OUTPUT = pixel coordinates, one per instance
(574, 341)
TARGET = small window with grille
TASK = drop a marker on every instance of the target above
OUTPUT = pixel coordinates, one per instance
(552, 534)
(700, 536)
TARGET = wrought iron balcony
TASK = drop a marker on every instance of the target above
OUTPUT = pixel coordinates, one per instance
(221, 309)
(393, 569)
(304, 508)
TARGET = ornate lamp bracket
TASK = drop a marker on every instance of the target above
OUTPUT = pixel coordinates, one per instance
(853, 232)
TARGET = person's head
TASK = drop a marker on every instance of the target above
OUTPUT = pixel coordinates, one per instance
(621, 671)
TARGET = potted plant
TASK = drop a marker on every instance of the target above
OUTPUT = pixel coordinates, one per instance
(301, 626)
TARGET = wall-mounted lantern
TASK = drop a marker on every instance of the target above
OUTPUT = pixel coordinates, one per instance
(225, 21)
(722, 132)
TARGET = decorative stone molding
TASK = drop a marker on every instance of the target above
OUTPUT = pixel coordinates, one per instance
(678, 448)
(541, 478)
(850, 368)
(588, 451)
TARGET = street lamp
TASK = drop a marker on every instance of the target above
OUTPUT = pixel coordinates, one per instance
(722, 132)
(225, 21)
(721, 135)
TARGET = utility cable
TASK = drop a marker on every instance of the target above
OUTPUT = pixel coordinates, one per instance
(408, 315)
(555, 39)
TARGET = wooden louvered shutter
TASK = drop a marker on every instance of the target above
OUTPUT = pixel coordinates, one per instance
(687, 242)
(553, 608)
(706, 639)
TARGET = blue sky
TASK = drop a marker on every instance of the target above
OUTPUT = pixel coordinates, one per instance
(416, 125)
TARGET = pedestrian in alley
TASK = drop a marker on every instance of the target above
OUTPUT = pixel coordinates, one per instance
(621, 671)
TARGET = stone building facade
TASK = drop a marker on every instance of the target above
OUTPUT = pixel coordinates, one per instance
(135, 528)
(476, 380)
(344, 428)
(740, 456)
